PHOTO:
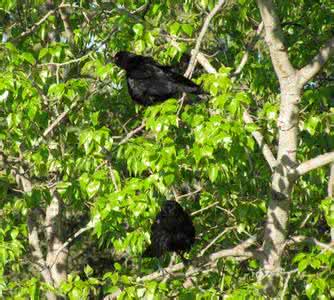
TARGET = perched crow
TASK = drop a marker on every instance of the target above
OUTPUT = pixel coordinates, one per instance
(149, 82)
(171, 231)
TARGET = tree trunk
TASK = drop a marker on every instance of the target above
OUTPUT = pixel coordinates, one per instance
(282, 184)
(54, 232)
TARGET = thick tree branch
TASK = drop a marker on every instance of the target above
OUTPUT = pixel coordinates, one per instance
(198, 262)
(205, 63)
(266, 151)
(201, 35)
(310, 70)
(331, 191)
(54, 232)
(275, 40)
(310, 240)
(33, 238)
(314, 163)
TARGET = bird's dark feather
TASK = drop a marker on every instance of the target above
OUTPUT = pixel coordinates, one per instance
(149, 82)
(172, 231)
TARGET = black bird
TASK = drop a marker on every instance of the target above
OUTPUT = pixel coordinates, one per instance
(172, 231)
(149, 82)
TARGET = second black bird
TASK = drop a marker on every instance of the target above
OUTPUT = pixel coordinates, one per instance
(149, 82)
(172, 231)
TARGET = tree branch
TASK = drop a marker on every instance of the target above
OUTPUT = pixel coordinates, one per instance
(33, 237)
(310, 70)
(54, 233)
(198, 263)
(131, 134)
(249, 47)
(331, 191)
(314, 163)
(67, 24)
(310, 240)
(91, 224)
(275, 40)
(205, 27)
(266, 151)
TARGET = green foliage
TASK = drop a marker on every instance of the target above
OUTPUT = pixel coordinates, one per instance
(183, 149)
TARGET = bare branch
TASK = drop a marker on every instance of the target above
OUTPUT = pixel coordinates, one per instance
(67, 24)
(331, 181)
(198, 263)
(275, 40)
(314, 163)
(177, 198)
(204, 208)
(205, 27)
(55, 122)
(310, 70)
(37, 252)
(249, 47)
(205, 63)
(331, 191)
(72, 61)
(132, 133)
(215, 240)
(266, 151)
(310, 240)
(54, 234)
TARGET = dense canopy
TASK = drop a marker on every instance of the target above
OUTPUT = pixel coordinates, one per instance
(84, 170)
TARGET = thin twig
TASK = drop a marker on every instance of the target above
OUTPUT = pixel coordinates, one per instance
(66, 62)
(249, 47)
(266, 151)
(285, 285)
(201, 35)
(55, 122)
(215, 240)
(188, 194)
(89, 226)
(204, 208)
(132, 133)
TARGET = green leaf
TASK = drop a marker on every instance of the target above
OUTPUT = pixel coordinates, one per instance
(88, 270)
(93, 188)
(138, 29)
(188, 29)
(213, 173)
(302, 265)
(56, 90)
(29, 58)
(43, 52)
(174, 28)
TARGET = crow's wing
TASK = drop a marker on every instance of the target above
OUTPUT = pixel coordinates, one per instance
(142, 67)
(147, 71)
(184, 84)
